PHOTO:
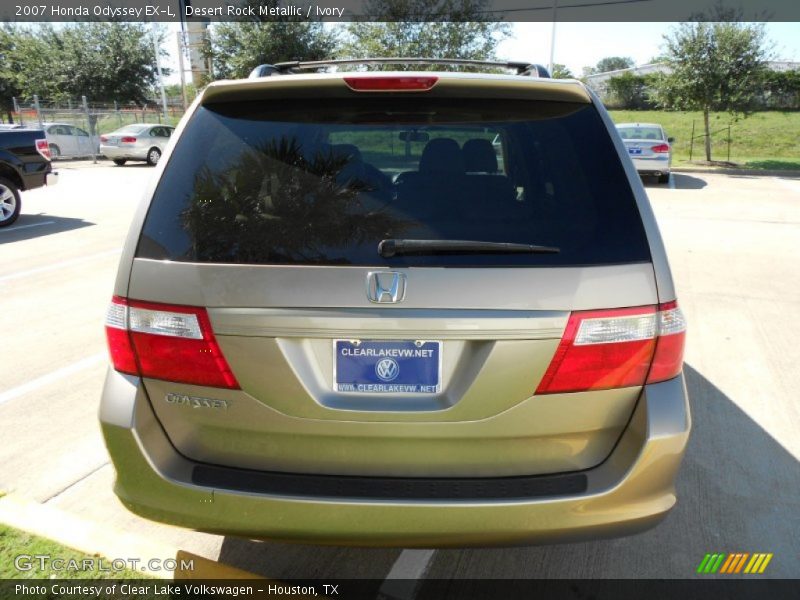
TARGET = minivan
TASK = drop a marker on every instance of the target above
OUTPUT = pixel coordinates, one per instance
(396, 308)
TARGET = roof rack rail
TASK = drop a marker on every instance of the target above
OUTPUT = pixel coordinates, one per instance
(291, 67)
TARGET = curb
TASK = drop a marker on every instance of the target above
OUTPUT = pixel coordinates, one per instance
(95, 539)
(790, 173)
(80, 534)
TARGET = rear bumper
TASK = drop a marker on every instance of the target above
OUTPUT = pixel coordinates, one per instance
(113, 152)
(51, 178)
(657, 165)
(632, 490)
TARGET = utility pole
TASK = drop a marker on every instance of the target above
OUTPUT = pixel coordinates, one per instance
(553, 39)
(91, 125)
(181, 46)
(160, 75)
(38, 109)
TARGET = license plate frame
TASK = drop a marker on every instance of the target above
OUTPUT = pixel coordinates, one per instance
(417, 366)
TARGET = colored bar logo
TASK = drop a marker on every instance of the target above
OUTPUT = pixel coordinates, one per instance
(734, 563)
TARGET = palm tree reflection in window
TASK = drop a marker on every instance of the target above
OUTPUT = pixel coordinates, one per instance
(275, 204)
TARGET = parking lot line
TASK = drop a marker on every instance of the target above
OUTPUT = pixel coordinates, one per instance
(18, 227)
(35, 384)
(59, 265)
(402, 581)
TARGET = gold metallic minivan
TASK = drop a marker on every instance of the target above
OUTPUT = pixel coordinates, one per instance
(398, 308)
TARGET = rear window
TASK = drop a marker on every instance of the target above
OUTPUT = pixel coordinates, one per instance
(322, 183)
(641, 133)
(131, 129)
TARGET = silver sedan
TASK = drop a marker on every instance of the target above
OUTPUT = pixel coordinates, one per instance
(649, 148)
(141, 141)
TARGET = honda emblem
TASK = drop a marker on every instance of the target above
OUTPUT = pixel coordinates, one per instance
(386, 287)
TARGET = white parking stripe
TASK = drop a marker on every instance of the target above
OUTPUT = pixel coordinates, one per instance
(403, 579)
(51, 377)
(18, 227)
(59, 265)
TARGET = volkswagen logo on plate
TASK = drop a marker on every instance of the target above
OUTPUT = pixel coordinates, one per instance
(387, 369)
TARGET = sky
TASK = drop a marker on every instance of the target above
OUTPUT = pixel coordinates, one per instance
(581, 44)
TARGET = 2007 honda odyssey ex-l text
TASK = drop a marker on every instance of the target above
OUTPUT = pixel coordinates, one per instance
(408, 308)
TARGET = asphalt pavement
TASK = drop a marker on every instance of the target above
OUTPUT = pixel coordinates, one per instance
(733, 241)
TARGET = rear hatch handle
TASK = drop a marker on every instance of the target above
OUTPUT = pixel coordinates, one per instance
(396, 247)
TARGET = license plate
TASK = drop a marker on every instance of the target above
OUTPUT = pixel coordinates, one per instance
(387, 366)
(634, 150)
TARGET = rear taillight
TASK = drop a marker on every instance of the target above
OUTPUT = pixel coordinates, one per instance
(128, 140)
(164, 341)
(668, 359)
(392, 83)
(624, 347)
(103, 138)
(660, 148)
(43, 148)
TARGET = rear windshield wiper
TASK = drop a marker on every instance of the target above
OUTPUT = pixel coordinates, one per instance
(392, 247)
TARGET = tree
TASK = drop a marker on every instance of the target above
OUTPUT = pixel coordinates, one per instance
(561, 72)
(27, 64)
(613, 63)
(781, 90)
(714, 66)
(420, 28)
(104, 61)
(108, 61)
(174, 91)
(631, 91)
(236, 48)
(8, 79)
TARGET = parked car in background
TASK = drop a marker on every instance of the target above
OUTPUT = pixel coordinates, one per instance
(649, 148)
(69, 141)
(316, 336)
(141, 141)
(24, 165)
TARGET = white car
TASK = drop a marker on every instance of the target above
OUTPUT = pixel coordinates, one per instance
(649, 148)
(140, 141)
(67, 140)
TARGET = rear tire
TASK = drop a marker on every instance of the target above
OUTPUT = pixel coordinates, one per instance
(10, 203)
(55, 151)
(120, 161)
(663, 178)
(153, 156)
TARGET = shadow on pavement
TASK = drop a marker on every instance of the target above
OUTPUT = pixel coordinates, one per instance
(129, 165)
(679, 180)
(737, 492)
(688, 182)
(33, 226)
(300, 561)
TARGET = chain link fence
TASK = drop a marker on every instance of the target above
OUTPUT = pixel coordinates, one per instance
(86, 121)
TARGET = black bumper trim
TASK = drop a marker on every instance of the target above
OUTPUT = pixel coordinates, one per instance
(385, 488)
